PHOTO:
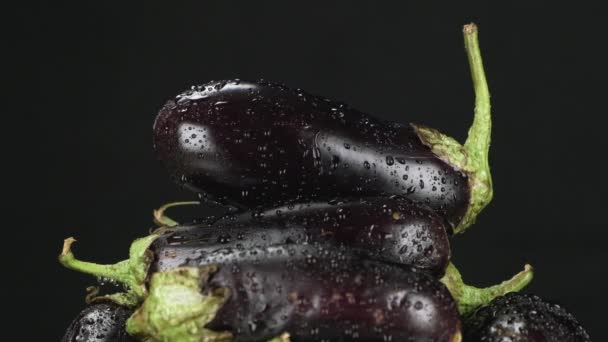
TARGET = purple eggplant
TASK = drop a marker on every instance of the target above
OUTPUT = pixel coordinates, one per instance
(314, 293)
(309, 292)
(518, 317)
(392, 229)
(100, 322)
(261, 144)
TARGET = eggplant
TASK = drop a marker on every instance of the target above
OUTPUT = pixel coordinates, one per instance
(518, 317)
(100, 322)
(307, 291)
(392, 229)
(256, 144)
(314, 293)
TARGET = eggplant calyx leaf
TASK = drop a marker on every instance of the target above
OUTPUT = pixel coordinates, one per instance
(131, 272)
(470, 298)
(176, 309)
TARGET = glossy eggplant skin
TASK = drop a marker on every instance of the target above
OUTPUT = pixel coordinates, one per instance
(325, 294)
(259, 144)
(99, 322)
(394, 229)
(518, 317)
(192, 242)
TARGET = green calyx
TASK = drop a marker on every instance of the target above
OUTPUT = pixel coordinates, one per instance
(177, 310)
(469, 298)
(131, 272)
(472, 157)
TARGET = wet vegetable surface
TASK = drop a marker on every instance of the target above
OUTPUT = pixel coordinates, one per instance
(311, 292)
(519, 317)
(316, 293)
(339, 205)
(260, 144)
(232, 243)
(100, 322)
(191, 242)
(255, 144)
(390, 229)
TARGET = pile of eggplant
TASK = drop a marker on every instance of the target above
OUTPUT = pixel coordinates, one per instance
(338, 228)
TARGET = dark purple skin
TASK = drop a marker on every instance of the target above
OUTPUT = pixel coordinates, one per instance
(196, 241)
(320, 294)
(393, 229)
(99, 322)
(259, 144)
(518, 317)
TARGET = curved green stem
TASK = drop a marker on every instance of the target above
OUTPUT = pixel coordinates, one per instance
(469, 298)
(477, 145)
(131, 272)
(478, 140)
(162, 220)
(472, 157)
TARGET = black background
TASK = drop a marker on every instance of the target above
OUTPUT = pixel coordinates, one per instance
(80, 141)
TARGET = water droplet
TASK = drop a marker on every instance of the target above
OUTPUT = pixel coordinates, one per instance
(224, 238)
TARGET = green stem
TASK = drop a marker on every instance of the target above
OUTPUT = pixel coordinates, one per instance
(478, 140)
(472, 157)
(131, 272)
(162, 220)
(119, 272)
(477, 145)
(469, 298)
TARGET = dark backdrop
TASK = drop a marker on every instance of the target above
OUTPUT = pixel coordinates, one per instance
(80, 151)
